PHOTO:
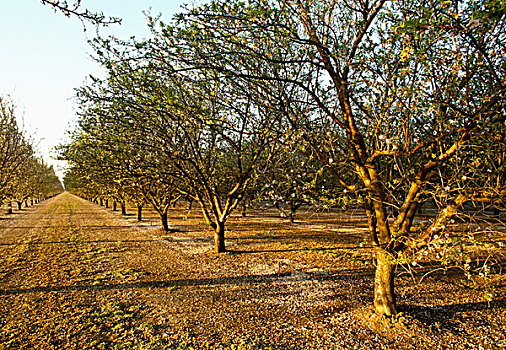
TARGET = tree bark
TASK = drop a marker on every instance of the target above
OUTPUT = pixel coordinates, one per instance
(101, 202)
(9, 207)
(293, 211)
(243, 208)
(139, 212)
(19, 205)
(107, 203)
(165, 222)
(291, 216)
(219, 237)
(123, 209)
(384, 296)
(114, 206)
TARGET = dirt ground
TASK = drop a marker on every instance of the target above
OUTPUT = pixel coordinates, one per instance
(74, 275)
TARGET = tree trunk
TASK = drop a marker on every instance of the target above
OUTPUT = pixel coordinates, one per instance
(243, 208)
(107, 202)
(114, 206)
(26, 203)
(19, 205)
(123, 209)
(9, 207)
(384, 296)
(165, 222)
(101, 202)
(219, 237)
(139, 212)
(31, 201)
(293, 210)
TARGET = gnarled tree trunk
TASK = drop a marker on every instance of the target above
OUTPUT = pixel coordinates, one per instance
(219, 237)
(384, 296)
(164, 221)
(244, 207)
(123, 208)
(139, 212)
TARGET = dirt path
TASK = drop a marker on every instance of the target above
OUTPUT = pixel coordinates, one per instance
(75, 276)
(55, 272)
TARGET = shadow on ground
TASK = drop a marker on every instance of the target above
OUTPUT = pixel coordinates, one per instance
(354, 274)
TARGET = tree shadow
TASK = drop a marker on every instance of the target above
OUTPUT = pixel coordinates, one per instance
(101, 227)
(99, 241)
(337, 275)
(319, 249)
(239, 252)
(448, 317)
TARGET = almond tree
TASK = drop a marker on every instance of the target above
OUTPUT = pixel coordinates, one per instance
(292, 180)
(203, 135)
(102, 159)
(15, 151)
(22, 174)
(75, 9)
(393, 96)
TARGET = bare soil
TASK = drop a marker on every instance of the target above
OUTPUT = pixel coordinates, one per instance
(74, 275)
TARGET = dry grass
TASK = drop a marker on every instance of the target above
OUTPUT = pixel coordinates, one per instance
(75, 275)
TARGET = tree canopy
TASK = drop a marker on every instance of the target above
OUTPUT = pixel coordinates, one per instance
(22, 173)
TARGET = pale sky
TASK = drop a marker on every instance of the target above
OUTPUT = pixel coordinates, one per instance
(44, 56)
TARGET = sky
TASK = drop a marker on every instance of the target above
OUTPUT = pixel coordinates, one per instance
(44, 56)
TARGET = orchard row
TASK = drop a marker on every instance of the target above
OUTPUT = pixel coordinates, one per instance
(388, 105)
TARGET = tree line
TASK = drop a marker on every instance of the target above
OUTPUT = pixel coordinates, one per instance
(24, 177)
(391, 106)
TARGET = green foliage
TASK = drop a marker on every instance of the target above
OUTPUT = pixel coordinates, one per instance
(22, 174)
(392, 106)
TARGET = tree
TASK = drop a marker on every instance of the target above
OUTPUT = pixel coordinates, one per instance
(101, 157)
(185, 125)
(290, 181)
(22, 174)
(404, 91)
(15, 150)
(75, 9)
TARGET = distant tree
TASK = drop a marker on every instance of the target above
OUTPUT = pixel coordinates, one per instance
(45, 182)
(22, 174)
(202, 135)
(118, 157)
(290, 181)
(26, 181)
(15, 151)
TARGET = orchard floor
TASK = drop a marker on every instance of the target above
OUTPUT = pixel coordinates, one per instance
(74, 275)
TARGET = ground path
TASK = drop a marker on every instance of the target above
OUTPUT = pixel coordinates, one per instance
(75, 276)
